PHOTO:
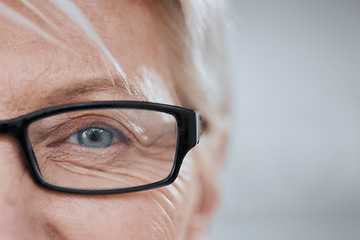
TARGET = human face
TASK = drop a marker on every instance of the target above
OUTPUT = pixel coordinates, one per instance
(38, 73)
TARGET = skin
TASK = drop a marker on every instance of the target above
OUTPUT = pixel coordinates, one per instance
(36, 73)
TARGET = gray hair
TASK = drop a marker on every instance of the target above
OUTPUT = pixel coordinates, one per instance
(196, 33)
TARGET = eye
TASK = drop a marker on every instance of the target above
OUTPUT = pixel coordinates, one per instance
(93, 137)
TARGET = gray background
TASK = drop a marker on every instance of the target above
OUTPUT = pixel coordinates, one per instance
(293, 168)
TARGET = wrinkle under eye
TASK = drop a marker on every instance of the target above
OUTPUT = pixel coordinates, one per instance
(95, 137)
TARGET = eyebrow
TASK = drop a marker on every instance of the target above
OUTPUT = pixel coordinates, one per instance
(83, 87)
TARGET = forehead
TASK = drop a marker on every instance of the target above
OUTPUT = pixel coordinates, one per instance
(43, 49)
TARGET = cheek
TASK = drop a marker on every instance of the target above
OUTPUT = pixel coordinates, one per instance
(156, 214)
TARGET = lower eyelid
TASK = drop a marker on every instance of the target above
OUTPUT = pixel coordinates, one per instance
(69, 148)
(94, 159)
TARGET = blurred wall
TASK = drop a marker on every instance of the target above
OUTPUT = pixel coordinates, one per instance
(293, 168)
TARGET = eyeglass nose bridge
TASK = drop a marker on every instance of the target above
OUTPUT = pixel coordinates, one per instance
(4, 128)
(9, 127)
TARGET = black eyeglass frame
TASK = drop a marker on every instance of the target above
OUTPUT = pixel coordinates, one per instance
(187, 138)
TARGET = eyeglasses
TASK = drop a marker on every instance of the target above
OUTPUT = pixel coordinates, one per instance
(105, 147)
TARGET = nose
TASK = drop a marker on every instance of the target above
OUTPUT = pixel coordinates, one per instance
(16, 188)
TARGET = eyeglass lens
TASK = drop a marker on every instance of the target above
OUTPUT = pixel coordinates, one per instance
(104, 149)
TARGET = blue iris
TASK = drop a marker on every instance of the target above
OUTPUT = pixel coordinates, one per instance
(95, 137)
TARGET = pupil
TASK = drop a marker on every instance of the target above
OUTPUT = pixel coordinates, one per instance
(94, 136)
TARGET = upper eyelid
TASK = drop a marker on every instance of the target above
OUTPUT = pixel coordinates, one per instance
(119, 133)
(59, 131)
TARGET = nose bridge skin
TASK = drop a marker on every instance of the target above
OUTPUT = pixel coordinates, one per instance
(16, 188)
(14, 128)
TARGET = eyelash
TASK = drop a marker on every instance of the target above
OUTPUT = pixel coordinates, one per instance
(120, 137)
(63, 132)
